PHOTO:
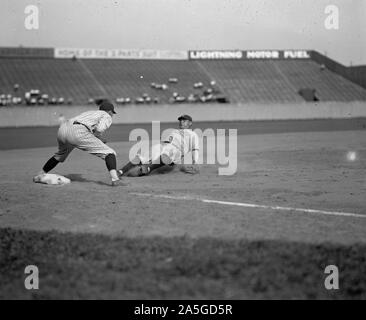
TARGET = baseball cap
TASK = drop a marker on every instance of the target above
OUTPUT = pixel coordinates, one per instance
(107, 106)
(185, 117)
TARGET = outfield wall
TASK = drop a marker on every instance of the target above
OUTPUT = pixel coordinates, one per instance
(51, 115)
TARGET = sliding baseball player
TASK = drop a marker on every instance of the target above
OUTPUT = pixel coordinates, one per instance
(169, 152)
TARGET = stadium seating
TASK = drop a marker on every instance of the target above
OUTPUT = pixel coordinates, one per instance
(76, 81)
(56, 77)
(133, 78)
(280, 80)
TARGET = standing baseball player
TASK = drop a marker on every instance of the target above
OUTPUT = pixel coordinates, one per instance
(85, 132)
(171, 151)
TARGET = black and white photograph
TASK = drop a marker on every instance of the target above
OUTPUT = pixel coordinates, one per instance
(192, 152)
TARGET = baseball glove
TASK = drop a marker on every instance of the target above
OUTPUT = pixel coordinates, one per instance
(137, 171)
(190, 169)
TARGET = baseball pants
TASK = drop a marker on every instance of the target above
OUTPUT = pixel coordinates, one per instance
(72, 136)
(169, 152)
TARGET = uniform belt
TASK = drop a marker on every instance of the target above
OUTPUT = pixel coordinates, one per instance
(77, 122)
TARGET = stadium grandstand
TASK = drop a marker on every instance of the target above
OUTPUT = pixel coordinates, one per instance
(36, 76)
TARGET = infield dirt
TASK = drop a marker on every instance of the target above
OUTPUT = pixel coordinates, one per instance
(302, 170)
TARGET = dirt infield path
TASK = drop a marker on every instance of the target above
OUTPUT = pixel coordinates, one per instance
(299, 170)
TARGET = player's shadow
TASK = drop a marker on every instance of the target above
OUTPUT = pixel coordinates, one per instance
(79, 178)
(164, 170)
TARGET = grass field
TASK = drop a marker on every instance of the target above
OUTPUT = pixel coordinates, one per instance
(84, 266)
(160, 238)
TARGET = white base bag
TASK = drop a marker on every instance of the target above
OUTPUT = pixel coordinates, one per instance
(51, 178)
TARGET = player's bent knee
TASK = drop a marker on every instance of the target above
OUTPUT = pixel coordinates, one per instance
(60, 159)
(104, 155)
(110, 154)
(165, 159)
(111, 151)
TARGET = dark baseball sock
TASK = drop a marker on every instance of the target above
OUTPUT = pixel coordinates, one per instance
(154, 166)
(50, 164)
(128, 167)
(111, 162)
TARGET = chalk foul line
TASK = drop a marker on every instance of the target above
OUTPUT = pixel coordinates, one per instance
(252, 205)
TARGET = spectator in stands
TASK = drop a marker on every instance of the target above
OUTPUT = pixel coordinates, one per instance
(208, 91)
(191, 98)
(147, 100)
(33, 101)
(214, 87)
(35, 92)
(173, 80)
(45, 97)
(139, 100)
(180, 99)
(27, 97)
(198, 85)
(2, 100)
(16, 87)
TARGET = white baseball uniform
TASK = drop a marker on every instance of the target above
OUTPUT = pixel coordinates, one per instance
(178, 143)
(84, 132)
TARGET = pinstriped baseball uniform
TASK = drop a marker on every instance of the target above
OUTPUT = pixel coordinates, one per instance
(83, 132)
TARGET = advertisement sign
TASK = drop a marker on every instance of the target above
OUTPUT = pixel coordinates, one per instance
(215, 54)
(68, 53)
(276, 54)
(248, 54)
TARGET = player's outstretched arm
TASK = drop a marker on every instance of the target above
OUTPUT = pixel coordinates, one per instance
(192, 168)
